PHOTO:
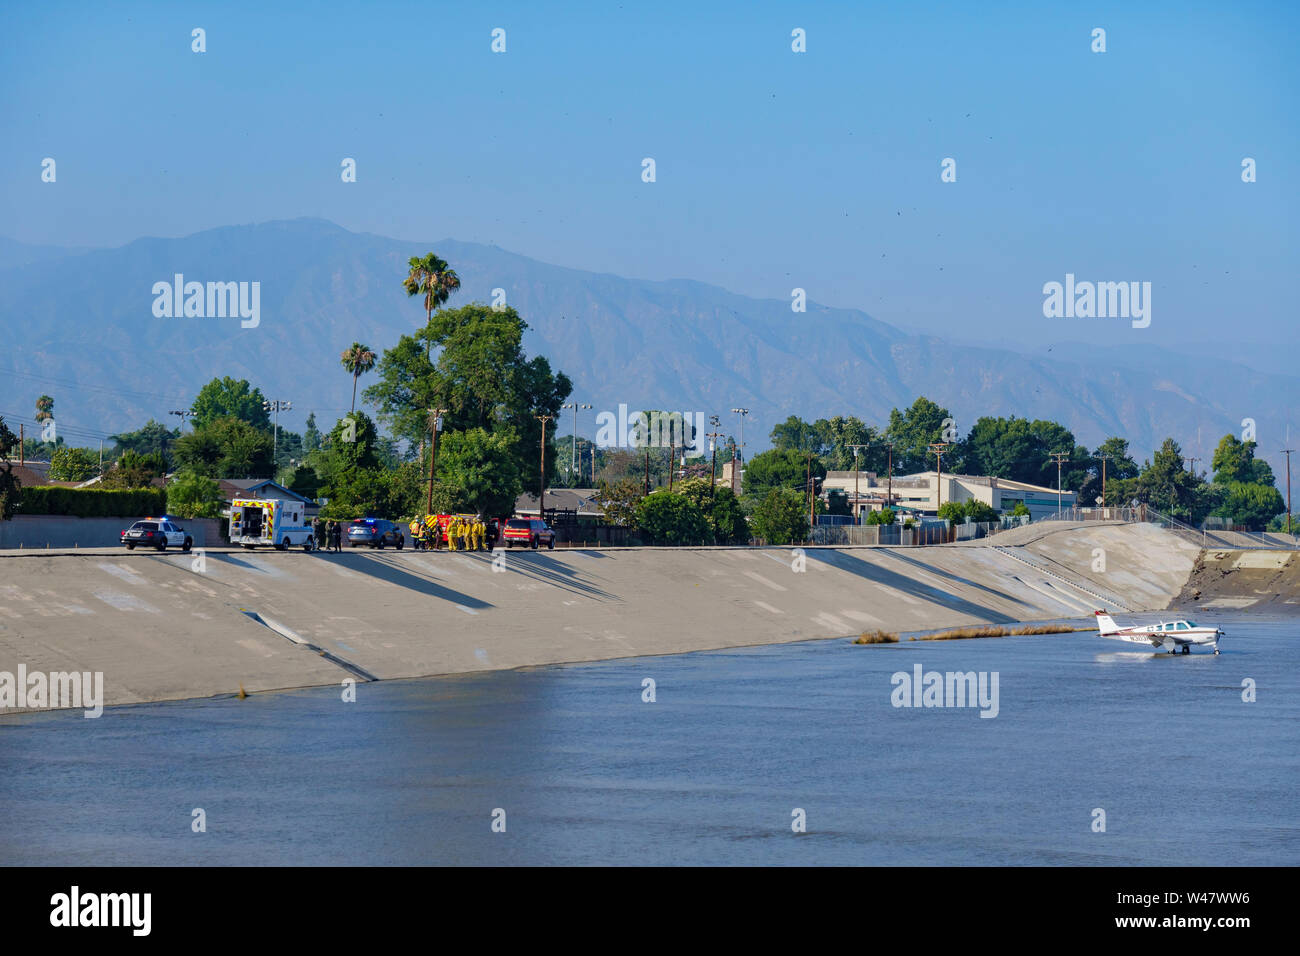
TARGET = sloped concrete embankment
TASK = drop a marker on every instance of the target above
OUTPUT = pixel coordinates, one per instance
(165, 626)
(1250, 579)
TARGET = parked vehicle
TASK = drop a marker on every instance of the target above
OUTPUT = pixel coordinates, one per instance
(275, 521)
(528, 532)
(156, 533)
(375, 532)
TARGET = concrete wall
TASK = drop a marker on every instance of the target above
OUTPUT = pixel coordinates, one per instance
(164, 626)
(61, 531)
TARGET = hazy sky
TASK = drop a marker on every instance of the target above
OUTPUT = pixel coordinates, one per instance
(775, 169)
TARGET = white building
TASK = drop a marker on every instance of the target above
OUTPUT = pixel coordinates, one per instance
(924, 491)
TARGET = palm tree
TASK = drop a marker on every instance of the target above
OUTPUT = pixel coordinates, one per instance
(44, 408)
(357, 359)
(435, 279)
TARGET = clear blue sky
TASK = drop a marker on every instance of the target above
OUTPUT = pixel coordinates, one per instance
(775, 169)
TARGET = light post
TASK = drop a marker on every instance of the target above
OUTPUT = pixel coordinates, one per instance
(1287, 452)
(575, 406)
(742, 412)
(275, 406)
(183, 414)
(713, 451)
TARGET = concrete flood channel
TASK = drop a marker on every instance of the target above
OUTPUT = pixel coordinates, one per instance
(173, 626)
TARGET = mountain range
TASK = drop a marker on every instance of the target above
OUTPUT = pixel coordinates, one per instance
(82, 328)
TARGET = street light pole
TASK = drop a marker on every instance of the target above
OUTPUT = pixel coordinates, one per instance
(575, 406)
(1287, 452)
(276, 406)
(742, 412)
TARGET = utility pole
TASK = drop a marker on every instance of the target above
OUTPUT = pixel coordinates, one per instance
(1059, 457)
(889, 493)
(1191, 464)
(575, 406)
(713, 437)
(647, 469)
(672, 462)
(1287, 452)
(541, 498)
(22, 445)
(742, 412)
(855, 481)
(1104, 459)
(275, 406)
(812, 498)
(435, 426)
(938, 448)
(101, 456)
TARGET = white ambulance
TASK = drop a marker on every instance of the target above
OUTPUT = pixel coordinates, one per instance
(275, 521)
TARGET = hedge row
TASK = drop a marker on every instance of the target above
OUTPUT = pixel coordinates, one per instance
(91, 502)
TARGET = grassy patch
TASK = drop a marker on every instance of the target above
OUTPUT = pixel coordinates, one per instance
(962, 633)
(877, 637)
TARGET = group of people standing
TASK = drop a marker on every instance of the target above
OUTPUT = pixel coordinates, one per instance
(328, 534)
(463, 533)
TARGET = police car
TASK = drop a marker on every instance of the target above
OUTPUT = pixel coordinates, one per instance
(157, 533)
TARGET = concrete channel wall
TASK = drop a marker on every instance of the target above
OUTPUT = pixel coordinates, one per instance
(62, 531)
(166, 626)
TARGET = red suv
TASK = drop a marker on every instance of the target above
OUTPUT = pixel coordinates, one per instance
(528, 532)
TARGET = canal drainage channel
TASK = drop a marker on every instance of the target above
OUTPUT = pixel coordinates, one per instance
(290, 636)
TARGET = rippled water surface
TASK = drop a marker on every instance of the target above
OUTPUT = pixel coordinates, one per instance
(709, 773)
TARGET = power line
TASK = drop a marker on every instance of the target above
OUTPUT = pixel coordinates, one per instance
(72, 383)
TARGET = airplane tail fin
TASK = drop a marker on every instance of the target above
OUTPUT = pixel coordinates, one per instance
(1106, 624)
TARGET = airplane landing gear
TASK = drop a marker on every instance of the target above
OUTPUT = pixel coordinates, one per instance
(1186, 649)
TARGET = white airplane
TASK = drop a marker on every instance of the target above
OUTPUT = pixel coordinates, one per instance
(1171, 635)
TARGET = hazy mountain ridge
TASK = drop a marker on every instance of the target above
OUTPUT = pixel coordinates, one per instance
(676, 344)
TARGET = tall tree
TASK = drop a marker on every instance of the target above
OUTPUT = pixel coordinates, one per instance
(153, 438)
(227, 397)
(226, 447)
(9, 483)
(913, 430)
(434, 279)
(311, 437)
(1169, 487)
(44, 408)
(481, 377)
(357, 359)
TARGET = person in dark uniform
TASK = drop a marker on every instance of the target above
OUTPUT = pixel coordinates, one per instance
(318, 533)
(336, 537)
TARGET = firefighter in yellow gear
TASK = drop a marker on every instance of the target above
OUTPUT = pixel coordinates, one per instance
(453, 534)
(417, 531)
(433, 530)
(479, 537)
